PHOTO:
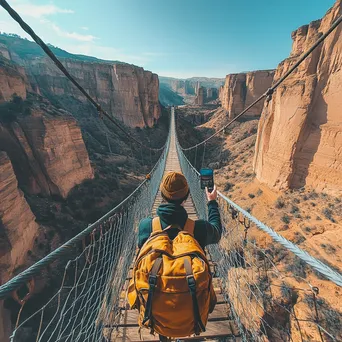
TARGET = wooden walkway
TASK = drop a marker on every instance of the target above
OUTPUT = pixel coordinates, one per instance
(219, 326)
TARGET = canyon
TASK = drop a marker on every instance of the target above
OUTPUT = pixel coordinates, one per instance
(174, 91)
(283, 164)
(300, 135)
(282, 161)
(241, 90)
(61, 167)
(127, 92)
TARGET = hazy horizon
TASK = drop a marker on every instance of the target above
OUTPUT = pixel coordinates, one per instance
(183, 39)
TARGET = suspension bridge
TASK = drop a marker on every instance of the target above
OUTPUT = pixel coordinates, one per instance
(78, 292)
(255, 297)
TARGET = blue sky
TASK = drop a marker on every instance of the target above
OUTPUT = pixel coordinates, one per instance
(177, 38)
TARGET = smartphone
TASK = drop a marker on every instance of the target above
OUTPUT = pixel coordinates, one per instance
(207, 179)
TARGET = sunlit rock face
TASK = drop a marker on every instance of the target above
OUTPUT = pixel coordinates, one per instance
(300, 132)
(241, 90)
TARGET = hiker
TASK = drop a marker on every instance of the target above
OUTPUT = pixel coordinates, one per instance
(171, 284)
(175, 191)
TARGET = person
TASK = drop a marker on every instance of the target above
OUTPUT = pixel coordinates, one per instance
(171, 284)
(175, 191)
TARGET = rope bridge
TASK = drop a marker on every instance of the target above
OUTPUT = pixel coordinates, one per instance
(76, 292)
(86, 276)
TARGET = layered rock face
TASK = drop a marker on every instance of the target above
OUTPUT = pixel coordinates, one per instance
(47, 152)
(18, 230)
(300, 132)
(18, 227)
(127, 92)
(240, 90)
(12, 80)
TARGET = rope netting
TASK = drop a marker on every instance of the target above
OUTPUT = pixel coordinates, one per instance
(77, 294)
(266, 279)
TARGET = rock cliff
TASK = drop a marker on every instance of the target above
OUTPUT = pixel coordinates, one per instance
(240, 90)
(18, 230)
(12, 79)
(47, 151)
(300, 131)
(127, 92)
(18, 227)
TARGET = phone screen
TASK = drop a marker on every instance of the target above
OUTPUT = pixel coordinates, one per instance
(207, 179)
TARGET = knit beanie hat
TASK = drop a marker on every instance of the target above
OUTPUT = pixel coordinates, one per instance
(174, 186)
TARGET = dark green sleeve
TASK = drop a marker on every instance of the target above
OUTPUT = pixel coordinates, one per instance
(145, 229)
(209, 232)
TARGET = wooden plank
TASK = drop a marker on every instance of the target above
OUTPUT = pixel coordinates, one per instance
(213, 330)
(129, 318)
(218, 323)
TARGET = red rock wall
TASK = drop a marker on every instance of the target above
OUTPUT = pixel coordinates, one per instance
(127, 92)
(240, 90)
(12, 81)
(18, 225)
(48, 153)
(18, 230)
(300, 132)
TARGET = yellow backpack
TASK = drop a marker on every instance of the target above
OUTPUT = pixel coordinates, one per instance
(171, 284)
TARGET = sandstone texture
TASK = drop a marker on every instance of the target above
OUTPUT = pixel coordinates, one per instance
(18, 227)
(47, 152)
(12, 80)
(240, 90)
(300, 131)
(127, 92)
(18, 230)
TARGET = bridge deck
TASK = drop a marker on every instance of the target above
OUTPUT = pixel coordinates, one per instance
(219, 326)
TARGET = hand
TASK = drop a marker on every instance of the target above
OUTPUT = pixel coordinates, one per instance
(211, 195)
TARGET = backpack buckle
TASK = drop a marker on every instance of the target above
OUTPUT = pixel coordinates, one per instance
(152, 280)
(191, 282)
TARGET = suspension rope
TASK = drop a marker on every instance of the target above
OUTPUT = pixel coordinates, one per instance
(269, 92)
(25, 276)
(303, 255)
(61, 67)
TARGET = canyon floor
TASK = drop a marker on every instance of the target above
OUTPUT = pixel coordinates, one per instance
(310, 219)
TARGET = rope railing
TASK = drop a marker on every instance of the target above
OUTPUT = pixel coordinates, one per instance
(61, 67)
(264, 275)
(269, 92)
(78, 286)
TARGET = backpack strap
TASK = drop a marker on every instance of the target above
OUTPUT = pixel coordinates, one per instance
(189, 226)
(152, 282)
(192, 287)
(156, 225)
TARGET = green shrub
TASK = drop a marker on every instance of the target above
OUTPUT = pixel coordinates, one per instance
(297, 267)
(228, 186)
(286, 219)
(294, 209)
(328, 214)
(280, 203)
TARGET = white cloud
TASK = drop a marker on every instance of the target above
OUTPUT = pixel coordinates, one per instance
(10, 26)
(38, 11)
(72, 35)
(85, 28)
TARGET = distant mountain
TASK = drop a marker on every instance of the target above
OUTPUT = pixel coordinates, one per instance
(186, 88)
(168, 97)
(188, 84)
(25, 48)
